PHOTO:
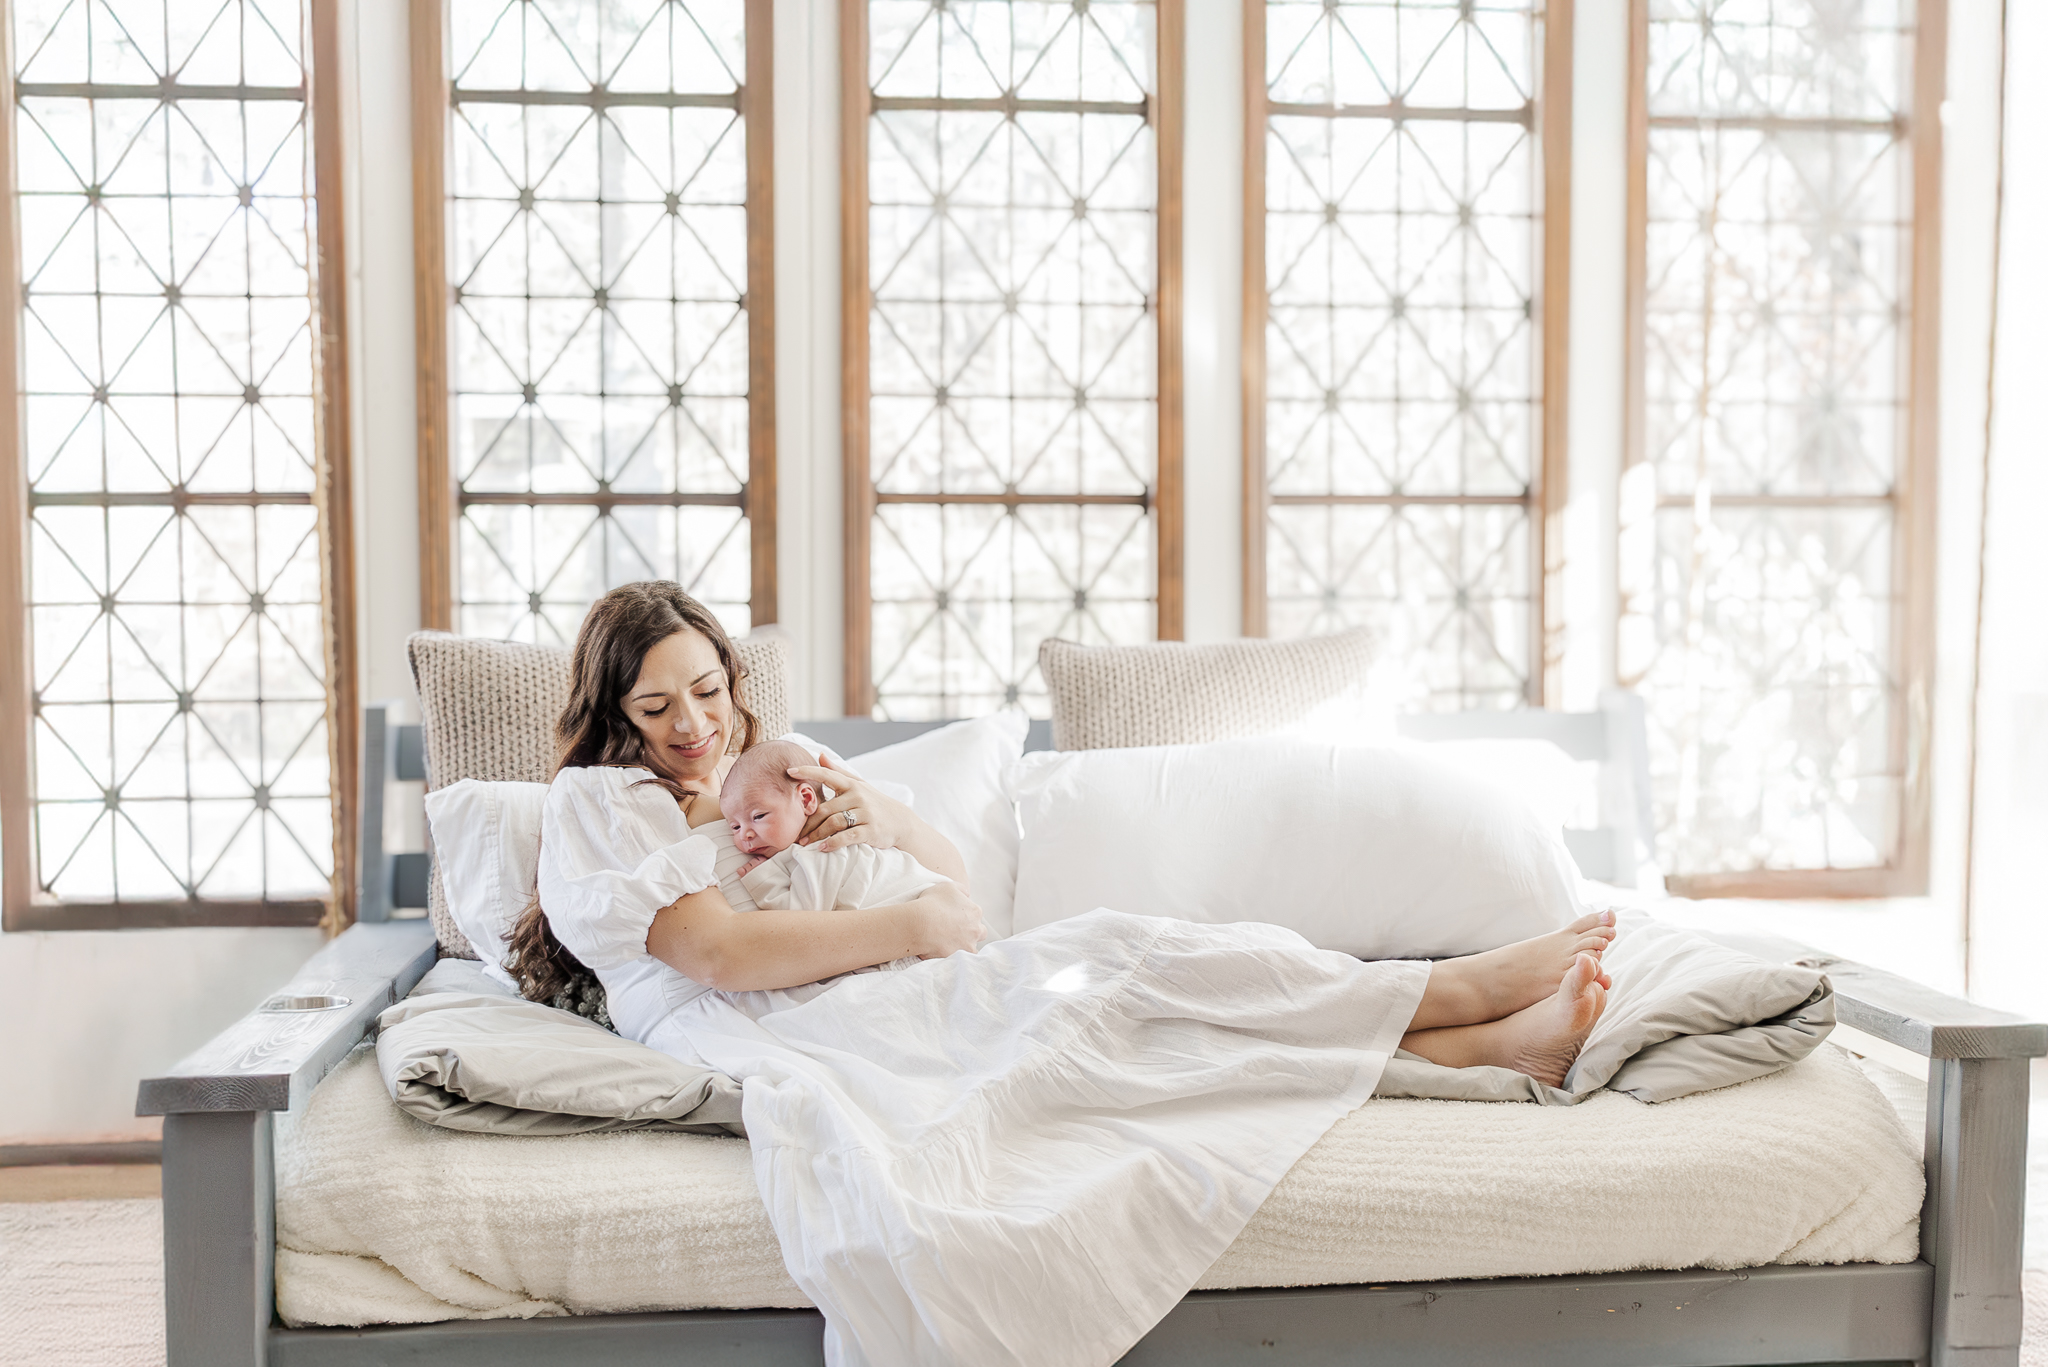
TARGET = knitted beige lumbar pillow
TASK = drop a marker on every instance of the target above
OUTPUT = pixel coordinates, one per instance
(1169, 693)
(488, 711)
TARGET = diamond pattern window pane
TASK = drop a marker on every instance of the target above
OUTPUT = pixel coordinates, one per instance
(1402, 395)
(598, 259)
(1012, 342)
(179, 663)
(1758, 607)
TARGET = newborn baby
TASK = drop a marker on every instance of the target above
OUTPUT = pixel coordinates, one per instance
(766, 810)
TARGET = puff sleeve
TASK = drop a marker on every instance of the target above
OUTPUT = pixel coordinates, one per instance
(611, 856)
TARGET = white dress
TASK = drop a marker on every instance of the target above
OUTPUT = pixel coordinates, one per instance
(1024, 1155)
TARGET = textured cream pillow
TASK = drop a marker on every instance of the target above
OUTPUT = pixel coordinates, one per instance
(489, 708)
(1114, 697)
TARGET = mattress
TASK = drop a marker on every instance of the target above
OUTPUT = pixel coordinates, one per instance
(384, 1220)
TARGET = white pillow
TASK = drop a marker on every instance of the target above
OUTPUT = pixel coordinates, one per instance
(956, 775)
(1538, 772)
(487, 844)
(1378, 852)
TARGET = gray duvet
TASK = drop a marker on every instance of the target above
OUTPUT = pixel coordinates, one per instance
(487, 1061)
(1685, 1015)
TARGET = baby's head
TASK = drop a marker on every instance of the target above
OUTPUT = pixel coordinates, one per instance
(765, 807)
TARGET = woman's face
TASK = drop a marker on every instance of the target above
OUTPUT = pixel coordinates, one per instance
(682, 707)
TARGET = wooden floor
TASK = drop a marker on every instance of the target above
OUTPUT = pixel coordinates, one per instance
(99, 1182)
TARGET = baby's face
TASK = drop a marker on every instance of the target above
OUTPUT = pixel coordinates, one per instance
(768, 819)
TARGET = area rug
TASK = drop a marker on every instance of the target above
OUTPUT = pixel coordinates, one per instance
(81, 1284)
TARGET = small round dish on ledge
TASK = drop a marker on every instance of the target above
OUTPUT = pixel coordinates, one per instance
(310, 1003)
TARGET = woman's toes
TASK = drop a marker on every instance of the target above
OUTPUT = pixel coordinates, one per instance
(1583, 970)
(1592, 945)
(1592, 919)
(1585, 992)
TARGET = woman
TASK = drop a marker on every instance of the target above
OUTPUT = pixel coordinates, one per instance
(1025, 1154)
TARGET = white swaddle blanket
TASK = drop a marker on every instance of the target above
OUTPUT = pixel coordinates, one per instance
(805, 878)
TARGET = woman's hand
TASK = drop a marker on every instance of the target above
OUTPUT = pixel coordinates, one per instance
(860, 814)
(951, 919)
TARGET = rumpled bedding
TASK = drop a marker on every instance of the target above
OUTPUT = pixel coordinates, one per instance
(1685, 1015)
(487, 1061)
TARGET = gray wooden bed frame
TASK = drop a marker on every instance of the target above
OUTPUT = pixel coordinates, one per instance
(1959, 1305)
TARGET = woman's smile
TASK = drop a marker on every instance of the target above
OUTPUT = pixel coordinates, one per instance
(694, 749)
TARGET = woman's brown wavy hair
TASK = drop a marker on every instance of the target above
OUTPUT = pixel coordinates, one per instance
(616, 635)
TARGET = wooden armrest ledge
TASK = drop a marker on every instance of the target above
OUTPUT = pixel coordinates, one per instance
(271, 1059)
(1900, 1011)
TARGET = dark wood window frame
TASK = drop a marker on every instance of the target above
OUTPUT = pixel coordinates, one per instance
(1166, 113)
(23, 908)
(1913, 496)
(441, 499)
(1548, 489)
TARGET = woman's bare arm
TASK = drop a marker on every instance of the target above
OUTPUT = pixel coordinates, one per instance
(701, 937)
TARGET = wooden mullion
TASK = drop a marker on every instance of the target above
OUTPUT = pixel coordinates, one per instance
(857, 499)
(1552, 488)
(438, 508)
(521, 498)
(334, 488)
(1014, 499)
(1008, 104)
(17, 683)
(1252, 349)
(1519, 500)
(1169, 510)
(757, 114)
(1636, 252)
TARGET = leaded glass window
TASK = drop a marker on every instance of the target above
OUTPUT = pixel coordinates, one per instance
(164, 175)
(598, 265)
(1401, 442)
(1012, 437)
(1764, 527)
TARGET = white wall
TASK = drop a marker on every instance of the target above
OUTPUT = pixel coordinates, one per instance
(2008, 941)
(1598, 333)
(807, 348)
(383, 397)
(1212, 261)
(85, 1014)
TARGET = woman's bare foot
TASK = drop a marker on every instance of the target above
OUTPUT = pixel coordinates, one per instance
(1541, 1040)
(1500, 982)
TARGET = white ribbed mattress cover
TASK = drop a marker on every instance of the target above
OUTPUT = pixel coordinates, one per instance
(384, 1220)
